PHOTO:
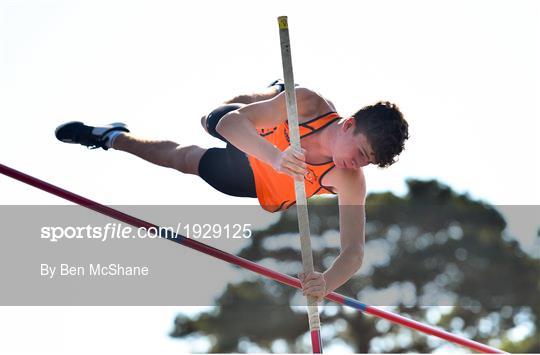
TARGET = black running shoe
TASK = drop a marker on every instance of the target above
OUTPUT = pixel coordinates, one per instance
(93, 137)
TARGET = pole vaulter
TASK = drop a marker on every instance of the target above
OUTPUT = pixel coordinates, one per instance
(243, 263)
(299, 186)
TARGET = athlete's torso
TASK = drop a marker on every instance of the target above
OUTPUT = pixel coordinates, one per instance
(275, 191)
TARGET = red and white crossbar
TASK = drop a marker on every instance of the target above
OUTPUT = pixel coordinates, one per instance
(246, 264)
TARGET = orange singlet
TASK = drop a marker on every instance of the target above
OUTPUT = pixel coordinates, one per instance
(275, 191)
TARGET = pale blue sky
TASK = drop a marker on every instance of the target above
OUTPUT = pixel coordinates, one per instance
(464, 73)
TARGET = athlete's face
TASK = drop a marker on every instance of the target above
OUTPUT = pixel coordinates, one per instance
(352, 151)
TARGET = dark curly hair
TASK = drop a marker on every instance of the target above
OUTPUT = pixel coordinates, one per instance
(385, 129)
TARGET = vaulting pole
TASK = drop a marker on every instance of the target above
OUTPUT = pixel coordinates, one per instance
(246, 264)
(299, 187)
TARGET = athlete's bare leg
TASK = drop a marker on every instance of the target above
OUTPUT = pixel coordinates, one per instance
(173, 155)
(265, 94)
(163, 153)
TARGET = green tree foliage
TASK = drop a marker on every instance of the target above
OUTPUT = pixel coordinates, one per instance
(448, 248)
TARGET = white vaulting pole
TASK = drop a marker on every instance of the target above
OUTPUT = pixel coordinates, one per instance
(299, 187)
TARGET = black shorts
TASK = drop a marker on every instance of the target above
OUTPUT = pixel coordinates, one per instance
(226, 169)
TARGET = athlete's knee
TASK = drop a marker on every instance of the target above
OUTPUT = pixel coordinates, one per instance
(186, 158)
(213, 118)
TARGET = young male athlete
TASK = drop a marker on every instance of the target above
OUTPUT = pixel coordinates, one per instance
(259, 162)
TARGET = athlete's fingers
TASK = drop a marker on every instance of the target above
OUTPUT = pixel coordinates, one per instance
(294, 167)
(293, 151)
(313, 291)
(312, 276)
(293, 156)
(299, 162)
(295, 175)
(316, 279)
(297, 170)
(299, 155)
(288, 165)
(301, 276)
(296, 161)
(314, 283)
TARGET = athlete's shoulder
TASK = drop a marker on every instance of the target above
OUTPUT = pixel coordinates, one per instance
(309, 95)
(311, 103)
(350, 185)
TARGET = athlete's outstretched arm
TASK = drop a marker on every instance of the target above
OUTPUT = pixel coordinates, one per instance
(350, 186)
(351, 190)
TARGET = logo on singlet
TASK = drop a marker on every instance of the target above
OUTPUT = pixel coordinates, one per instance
(310, 176)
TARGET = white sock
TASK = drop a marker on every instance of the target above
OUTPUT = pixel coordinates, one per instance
(111, 137)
